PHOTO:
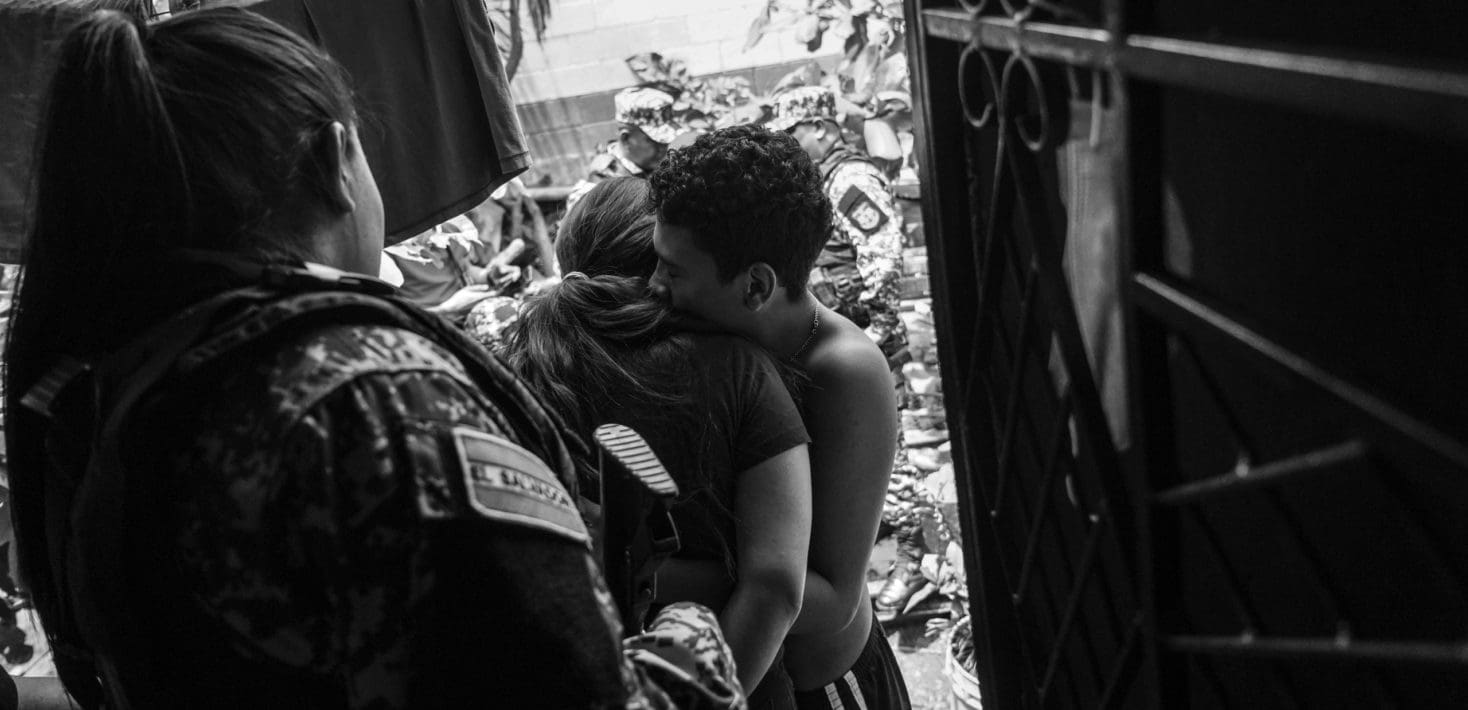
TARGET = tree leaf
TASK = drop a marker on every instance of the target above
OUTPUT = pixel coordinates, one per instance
(650, 68)
(757, 29)
(809, 74)
(539, 11)
(857, 41)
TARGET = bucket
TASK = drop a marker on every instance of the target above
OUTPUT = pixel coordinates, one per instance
(963, 684)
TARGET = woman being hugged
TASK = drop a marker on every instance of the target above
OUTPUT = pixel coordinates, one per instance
(714, 408)
(244, 475)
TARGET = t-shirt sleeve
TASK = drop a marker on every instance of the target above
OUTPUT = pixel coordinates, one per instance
(768, 422)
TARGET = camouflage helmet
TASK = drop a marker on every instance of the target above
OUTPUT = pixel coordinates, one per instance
(805, 103)
(650, 110)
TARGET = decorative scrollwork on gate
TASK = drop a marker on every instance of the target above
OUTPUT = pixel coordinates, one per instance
(1060, 588)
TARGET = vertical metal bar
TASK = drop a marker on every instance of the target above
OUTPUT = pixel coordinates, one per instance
(1139, 210)
(947, 213)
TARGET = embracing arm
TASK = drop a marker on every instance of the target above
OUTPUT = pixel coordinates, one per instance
(772, 504)
(852, 420)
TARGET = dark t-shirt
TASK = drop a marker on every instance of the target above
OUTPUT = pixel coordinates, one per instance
(738, 415)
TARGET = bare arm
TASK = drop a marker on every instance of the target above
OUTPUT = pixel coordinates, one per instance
(772, 504)
(540, 234)
(42, 694)
(458, 249)
(852, 420)
(462, 301)
(822, 607)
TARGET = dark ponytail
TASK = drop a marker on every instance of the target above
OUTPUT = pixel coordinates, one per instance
(598, 340)
(107, 168)
(594, 343)
(201, 131)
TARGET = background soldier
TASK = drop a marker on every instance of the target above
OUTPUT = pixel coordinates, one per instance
(868, 225)
(856, 275)
(647, 127)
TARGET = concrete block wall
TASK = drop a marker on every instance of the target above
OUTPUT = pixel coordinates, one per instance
(565, 83)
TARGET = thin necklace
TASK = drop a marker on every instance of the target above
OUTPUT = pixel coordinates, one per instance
(815, 324)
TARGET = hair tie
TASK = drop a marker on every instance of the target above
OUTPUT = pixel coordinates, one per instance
(572, 275)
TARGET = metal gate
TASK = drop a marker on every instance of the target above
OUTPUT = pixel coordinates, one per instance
(1200, 271)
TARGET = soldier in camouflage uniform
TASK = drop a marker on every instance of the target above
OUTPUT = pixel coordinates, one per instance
(868, 223)
(867, 220)
(254, 481)
(646, 127)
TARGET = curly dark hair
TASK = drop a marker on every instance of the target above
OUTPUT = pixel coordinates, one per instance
(748, 194)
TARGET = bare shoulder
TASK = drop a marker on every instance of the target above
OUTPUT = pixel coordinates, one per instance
(846, 363)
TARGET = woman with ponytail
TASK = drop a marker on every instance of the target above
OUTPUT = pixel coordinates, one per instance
(246, 476)
(714, 408)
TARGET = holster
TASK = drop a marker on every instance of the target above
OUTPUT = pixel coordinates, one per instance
(836, 282)
(637, 530)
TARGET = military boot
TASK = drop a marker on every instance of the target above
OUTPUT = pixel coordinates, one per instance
(906, 576)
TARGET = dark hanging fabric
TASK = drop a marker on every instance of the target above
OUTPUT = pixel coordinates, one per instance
(439, 126)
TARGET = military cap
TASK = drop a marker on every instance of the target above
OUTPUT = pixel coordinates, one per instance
(648, 109)
(805, 103)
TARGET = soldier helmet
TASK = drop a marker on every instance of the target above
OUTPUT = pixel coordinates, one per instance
(801, 104)
(650, 110)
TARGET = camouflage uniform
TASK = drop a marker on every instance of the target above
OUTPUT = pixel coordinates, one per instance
(865, 217)
(354, 524)
(647, 109)
(488, 321)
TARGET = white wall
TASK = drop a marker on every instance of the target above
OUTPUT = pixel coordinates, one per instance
(586, 42)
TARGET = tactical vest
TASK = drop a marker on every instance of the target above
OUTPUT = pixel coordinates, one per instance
(90, 403)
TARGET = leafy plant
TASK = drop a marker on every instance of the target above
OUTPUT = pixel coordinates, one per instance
(872, 39)
(505, 16)
(698, 102)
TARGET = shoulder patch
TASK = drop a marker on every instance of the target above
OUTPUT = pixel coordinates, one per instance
(861, 210)
(508, 484)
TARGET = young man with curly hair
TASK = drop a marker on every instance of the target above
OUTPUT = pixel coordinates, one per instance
(741, 217)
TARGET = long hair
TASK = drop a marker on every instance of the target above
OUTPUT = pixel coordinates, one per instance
(204, 131)
(598, 340)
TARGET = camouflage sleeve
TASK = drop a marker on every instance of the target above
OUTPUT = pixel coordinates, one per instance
(869, 217)
(398, 542)
(683, 654)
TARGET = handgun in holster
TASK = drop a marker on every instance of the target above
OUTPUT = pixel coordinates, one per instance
(637, 530)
